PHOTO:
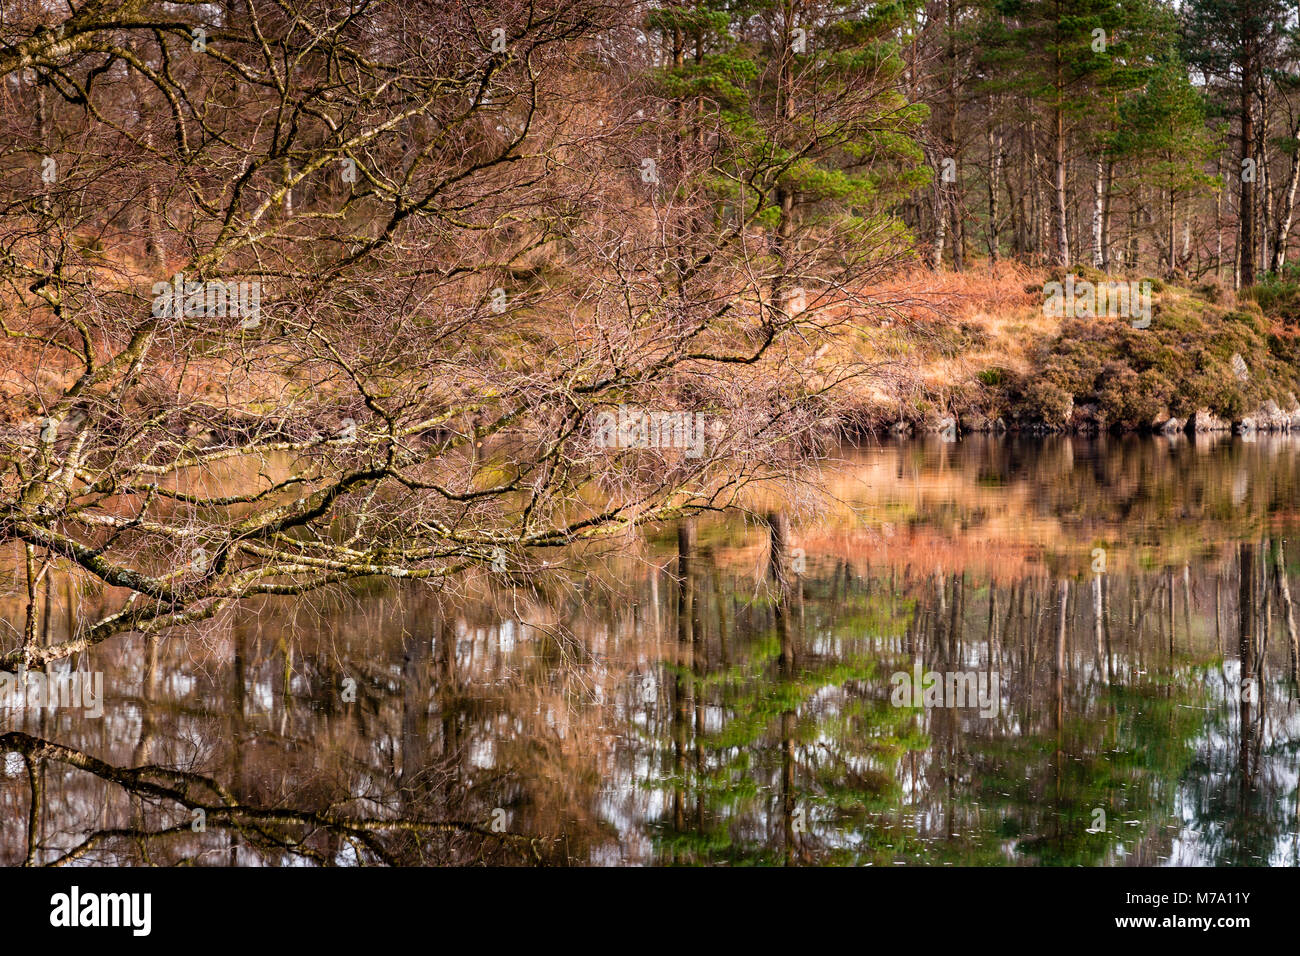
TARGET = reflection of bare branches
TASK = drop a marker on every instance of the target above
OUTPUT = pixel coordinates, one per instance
(638, 714)
(266, 827)
(384, 417)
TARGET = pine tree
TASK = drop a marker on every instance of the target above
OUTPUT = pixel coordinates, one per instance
(1163, 134)
(812, 140)
(1061, 54)
(1234, 42)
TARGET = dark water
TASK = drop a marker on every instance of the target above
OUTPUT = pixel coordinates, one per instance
(672, 703)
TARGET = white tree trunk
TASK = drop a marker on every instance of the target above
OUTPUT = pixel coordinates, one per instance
(1098, 192)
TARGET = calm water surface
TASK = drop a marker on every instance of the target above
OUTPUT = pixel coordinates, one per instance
(669, 703)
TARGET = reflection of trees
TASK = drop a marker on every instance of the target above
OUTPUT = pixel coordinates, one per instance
(1243, 797)
(318, 836)
(1115, 703)
(693, 715)
(798, 751)
(1108, 704)
(291, 769)
(1182, 490)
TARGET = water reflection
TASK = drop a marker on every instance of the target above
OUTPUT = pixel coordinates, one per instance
(723, 692)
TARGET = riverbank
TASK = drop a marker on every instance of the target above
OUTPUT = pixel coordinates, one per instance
(978, 352)
(973, 352)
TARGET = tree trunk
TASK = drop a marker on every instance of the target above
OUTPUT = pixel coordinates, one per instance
(1247, 621)
(1058, 669)
(1247, 175)
(1040, 211)
(1173, 232)
(1098, 618)
(1105, 215)
(1288, 610)
(1265, 180)
(1098, 215)
(940, 221)
(995, 176)
(1061, 253)
(1287, 208)
(954, 191)
(1218, 222)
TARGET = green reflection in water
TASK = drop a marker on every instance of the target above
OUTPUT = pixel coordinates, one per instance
(674, 704)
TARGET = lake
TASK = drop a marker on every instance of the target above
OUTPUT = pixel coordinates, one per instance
(1055, 651)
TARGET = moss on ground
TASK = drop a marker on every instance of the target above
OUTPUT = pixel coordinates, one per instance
(1103, 372)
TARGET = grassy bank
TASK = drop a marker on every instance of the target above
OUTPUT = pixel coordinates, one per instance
(976, 347)
(980, 348)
